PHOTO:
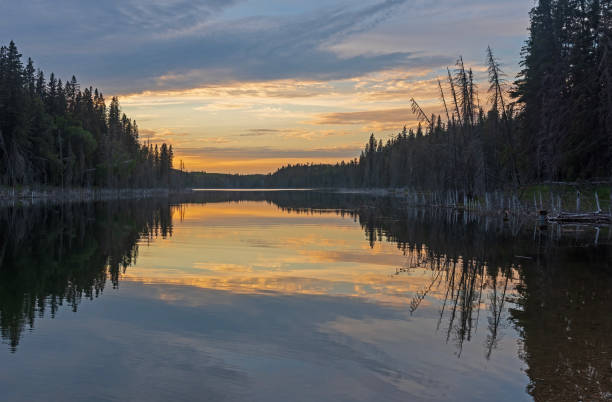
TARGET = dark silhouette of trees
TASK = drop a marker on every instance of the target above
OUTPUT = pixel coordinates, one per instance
(564, 89)
(555, 126)
(55, 133)
(63, 254)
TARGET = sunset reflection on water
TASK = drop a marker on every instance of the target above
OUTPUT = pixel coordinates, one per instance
(256, 247)
(299, 296)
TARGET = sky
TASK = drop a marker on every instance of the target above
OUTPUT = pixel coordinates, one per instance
(246, 86)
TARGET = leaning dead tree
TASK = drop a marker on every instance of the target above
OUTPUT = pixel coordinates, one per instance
(416, 109)
(474, 140)
(498, 104)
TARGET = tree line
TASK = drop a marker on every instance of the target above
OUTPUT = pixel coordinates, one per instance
(53, 133)
(553, 123)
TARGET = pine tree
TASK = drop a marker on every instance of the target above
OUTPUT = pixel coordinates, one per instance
(54, 133)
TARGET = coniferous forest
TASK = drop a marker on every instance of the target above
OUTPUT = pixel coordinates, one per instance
(55, 133)
(551, 123)
(554, 123)
(461, 251)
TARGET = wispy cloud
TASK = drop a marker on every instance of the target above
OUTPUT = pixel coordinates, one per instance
(259, 132)
(163, 135)
(215, 107)
(379, 116)
(271, 89)
(248, 48)
(242, 153)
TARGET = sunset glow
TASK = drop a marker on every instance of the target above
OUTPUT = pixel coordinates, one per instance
(246, 87)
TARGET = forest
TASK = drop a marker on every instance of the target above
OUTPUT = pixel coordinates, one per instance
(551, 123)
(52, 133)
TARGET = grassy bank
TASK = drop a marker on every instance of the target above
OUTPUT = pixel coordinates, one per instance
(573, 197)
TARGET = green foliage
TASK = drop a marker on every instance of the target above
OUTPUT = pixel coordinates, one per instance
(54, 133)
(83, 137)
(566, 92)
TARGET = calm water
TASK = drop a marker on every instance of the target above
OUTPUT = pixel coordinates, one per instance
(299, 296)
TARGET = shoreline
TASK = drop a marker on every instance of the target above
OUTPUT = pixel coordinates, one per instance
(544, 208)
(12, 196)
(493, 203)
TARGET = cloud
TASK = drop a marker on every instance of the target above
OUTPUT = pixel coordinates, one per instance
(401, 88)
(259, 132)
(313, 135)
(137, 45)
(216, 107)
(273, 89)
(103, 22)
(168, 18)
(126, 46)
(162, 135)
(277, 74)
(214, 140)
(294, 133)
(243, 153)
(379, 116)
(152, 103)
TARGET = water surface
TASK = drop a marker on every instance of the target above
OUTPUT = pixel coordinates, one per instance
(301, 296)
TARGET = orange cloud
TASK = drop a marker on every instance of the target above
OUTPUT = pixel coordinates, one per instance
(399, 116)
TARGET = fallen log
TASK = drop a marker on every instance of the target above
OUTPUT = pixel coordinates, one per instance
(592, 217)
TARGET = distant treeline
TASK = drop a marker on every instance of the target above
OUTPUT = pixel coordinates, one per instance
(554, 123)
(53, 133)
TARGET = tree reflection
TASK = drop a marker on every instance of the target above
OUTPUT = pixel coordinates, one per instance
(59, 255)
(554, 285)
(564, 317)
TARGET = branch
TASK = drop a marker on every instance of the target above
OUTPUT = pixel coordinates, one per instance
(416, 109)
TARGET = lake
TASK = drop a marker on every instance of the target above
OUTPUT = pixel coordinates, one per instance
(299, 296)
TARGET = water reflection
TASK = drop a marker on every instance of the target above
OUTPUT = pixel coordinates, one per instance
(58, 255)
(564, 315)
(476, 284)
